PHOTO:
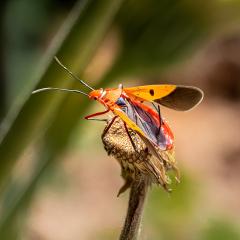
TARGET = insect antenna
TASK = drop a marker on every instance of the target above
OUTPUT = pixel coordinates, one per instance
(72, 74)
(59, 89)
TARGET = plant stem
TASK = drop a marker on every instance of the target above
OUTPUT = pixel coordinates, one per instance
(138, 193)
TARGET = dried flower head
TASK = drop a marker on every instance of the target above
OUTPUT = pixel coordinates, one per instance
(135, 159)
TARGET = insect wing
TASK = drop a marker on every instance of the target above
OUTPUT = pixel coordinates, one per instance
(148, 125)
(118, 111)
(177, 97)
(141, 121)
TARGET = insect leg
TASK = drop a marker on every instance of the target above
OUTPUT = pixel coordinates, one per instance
(109, 125)
(160, 119)
(96, 114)
(159, 116)
(130, 138)
(155, 106)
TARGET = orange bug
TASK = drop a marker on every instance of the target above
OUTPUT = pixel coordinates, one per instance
(130, 105)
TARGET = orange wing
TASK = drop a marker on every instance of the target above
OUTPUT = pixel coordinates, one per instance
(177, 97)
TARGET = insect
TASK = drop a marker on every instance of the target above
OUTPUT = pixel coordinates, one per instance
(131, 105)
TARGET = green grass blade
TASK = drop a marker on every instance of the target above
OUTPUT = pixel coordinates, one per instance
(35, 114)
(77, 42)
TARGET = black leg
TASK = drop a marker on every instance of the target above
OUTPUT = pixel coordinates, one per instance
(159, 116)
(160, 120)
(134, 147)
(109, 125)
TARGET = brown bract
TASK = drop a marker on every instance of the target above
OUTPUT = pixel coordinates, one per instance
(136, 161)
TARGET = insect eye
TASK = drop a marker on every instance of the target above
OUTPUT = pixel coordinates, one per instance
(121, 102)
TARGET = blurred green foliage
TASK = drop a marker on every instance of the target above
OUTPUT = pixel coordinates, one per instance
(157, 33)
(153, 35)
(219, 230)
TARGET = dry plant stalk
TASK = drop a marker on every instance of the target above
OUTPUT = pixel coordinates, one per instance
(139, 169)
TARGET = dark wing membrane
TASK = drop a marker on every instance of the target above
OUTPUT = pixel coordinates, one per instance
(146, 123)
(182, 98)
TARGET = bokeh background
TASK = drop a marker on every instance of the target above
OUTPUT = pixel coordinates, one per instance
(56, 181)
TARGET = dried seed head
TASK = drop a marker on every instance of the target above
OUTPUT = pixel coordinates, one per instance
(134, 157)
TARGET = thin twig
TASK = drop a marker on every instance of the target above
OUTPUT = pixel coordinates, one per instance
(138, 193)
